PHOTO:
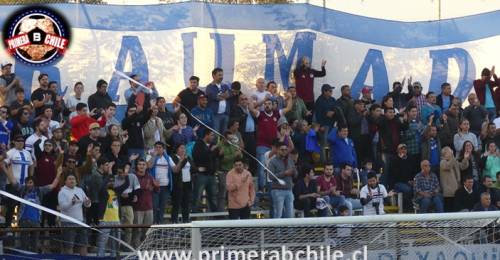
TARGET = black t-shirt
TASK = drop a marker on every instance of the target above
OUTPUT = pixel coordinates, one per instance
(189, 99)
(38, 95)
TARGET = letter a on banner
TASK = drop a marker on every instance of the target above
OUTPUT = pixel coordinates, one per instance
(375, 60)
(130, 45)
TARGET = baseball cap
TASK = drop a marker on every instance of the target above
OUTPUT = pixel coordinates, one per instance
(366, 90)
(401, 146)
(94, 125)
(201, 96)
(326, 87)
(5, 64)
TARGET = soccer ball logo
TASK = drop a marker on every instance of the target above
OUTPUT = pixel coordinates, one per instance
(36, 36)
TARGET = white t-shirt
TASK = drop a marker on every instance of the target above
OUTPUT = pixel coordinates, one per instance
(378, 194)
(20, 160)
(222, 103)
(186, 172)
(161, 173)
(72, 101)
(30, 141)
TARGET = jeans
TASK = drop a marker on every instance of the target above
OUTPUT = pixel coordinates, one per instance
(141, 218)
(282, 203)
(335, 201)
(220, 122)
(102, 240)
(208, 183)
(261, 150)
(160, 199)
(352, 204)
(426, 202)
(127, 218)
(407, 191)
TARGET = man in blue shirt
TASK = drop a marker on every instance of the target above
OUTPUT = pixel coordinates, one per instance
(218, 93)
(342, 147)
(444, 100)
(203, 114)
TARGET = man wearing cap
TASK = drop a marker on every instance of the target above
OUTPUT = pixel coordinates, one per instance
(203, 114)
(401, 174)
(8, 84)
(304, 80)
(366, 96)
(326, 115)
(85, 141)
(418, 99)
(20, 162)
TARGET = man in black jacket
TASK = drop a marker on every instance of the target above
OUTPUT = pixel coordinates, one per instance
(401, 174)
(445, 99)
(133, 123)
(100, 99)
(467, 196)
(248, 125)
(204, 155)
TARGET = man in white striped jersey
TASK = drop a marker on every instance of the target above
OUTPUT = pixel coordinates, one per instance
(19, 161)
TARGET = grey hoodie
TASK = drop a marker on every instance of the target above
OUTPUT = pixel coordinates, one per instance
(65, 197)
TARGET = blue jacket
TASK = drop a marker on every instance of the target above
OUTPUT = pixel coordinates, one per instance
(322, 106)
(212, 93)
(204, 115)
(170, 176)
(341, 151)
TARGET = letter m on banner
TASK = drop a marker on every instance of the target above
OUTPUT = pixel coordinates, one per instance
(302, 46)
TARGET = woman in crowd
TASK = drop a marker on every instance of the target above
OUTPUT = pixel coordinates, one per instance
(449, 174)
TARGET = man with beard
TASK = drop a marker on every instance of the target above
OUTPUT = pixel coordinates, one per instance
(372, 196)
(41, 126)
(42, 96)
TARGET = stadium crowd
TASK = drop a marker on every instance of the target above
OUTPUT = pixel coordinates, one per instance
(219, 149)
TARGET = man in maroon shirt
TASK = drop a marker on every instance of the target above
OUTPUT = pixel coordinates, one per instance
(304, 80)
(328, 189)
(267, 130)
(143, 208)
(485, 91)
(345, 186)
